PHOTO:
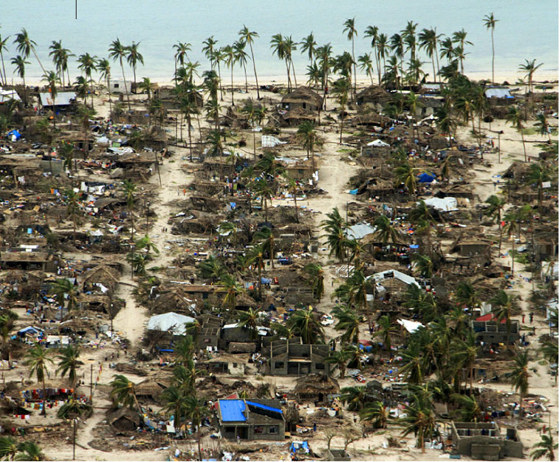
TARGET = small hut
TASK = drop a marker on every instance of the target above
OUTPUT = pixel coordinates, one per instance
(316, 387)
(302, 98)
(373, 96)
(124, 419)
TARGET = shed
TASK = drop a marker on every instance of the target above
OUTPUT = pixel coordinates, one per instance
(302, 98)
(124, 419)
(316, 387)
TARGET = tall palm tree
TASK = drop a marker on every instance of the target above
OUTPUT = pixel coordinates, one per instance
(530, 68)
(26, 46)
(382, 47)
(386, 331)
(429, 42)
(104, 68)
(353, 397)
(3, 47)
(196, 411)
(241, 58)
(495, 208)
(69, 363)
(265, 237)
(309, 139)
(504, 307)
(123, 391)
(323, 54)
(372, 32)
(351, 33)
(52, 79)
(209, 49)
(176, 403)
(520, 374)
(341, 88)
(409, 38)
(279, 48)
(249, 37)
(38, 359)
(545, 447)
(184, 351)
(19, 62)
(538, 174)
(515, 117)
(460, 37)
(397, 47)
(309, 46)
(88, 65)
(366, 65)
(181, 54)
(229, 55)
(420, 420)
(134, 57)
(376, 413)
(118, 51)
(129, 190)
(489, 22)
(65, 290)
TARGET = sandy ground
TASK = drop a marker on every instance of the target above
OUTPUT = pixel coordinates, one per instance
(333, 176)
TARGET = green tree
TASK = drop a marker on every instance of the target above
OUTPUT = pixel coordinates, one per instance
(420, 420)
(348, 322)
(25, 46)
(69, 363)
(504, 307)
(460, 37)
(386, 330)
(335, 228)
(265, 237)
(495, 209)
(340, 90)
(372, 33)
(38, 359)
(51, 78)
(385, 231)
(176, 403)
(538, 174)
(8, 447)
(87, 64)
(423, 265)
(123, 391)
(340, 359)
(376, 413)
(184, 350)
(3, 47)
(351, 33)
(249, 37)
(309, 139)
(306, 324)
(29, 450)
(545, 447)
(196, 411)
(118, 51)
(134, 57)
(520, 375)
(316, 279)
(249, 320)
(65, 291)
(428, 40)
(469, 409)
(19, 62)
(489, 22)
(353, 397)
(231, 289)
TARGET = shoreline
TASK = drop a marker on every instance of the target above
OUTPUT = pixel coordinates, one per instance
(510, 77)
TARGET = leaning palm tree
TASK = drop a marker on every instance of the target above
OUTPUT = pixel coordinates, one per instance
(38, 359)
(489, 22)
(420, 420)
(545, 447)
(335, 228)
(28, 450)
(348, 322)
(3, 47)
(469, 409)
(176, 402)
(353, 397)
(386, 332)
(515, 117)
(428, 40)
(249, 37)
(69, 363)
(26, 46)
(19, 62)
(372, 32)
(104, 69)
(118, 51)
(123, 391)
(366, 65)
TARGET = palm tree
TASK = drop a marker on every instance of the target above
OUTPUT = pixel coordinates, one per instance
(382, 47)
(317, 276)
(489, 22)
(8, 447)
(230, 60)
(351, 33)
(495, 208)
(366, 65)
(134, 57)
(429, 41)
(87, 64)
(386, 331)
(376, 413)
(231, 288)
(464, 354)
(7, 320)
(460, 37)
(64, 289)
(409, 38)
(3, 47)
(407, 175)
(520, 374)
(372, 32)
(543, 125)
(249, 37)
(19, 62)
(279, 48)
(26, 46)
(118, 51)
(466, 295)
(309, 46)
(129, 190)
(175, 403)
(539, 173)
(397, 47)
(470, 410)
(38, 359)
(505, 307)
(28, 450)
(104, 68)
(262, 189)
(184, 351)
(69, 363)
(241, 58)
(197, 411)
(340, 359)
(545, 447)
(420, 420)
(348, 322)
(323, 54)
(549, 350)
(123, 391)
(353, 397)
(249, 320)
(265, 237)
(309, 139)
(293, 188)
(181, 54)
(385, 231)
(209, 50)
(305, 323)
(60, 56)
(341, 87)
(51, 78)
(336, 236)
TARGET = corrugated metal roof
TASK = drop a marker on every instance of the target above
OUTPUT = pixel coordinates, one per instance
(263, 406)
(498, 93)
(232, 410)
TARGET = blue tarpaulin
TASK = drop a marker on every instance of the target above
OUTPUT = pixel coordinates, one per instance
(263, 406)
(232, 410)
(426, 177)
(15, 133)
(299, 446)
(353, 192)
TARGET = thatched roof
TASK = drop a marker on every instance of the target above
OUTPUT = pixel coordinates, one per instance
(102, 274)
(303, 95)
(373, 94)
(124, 419)
(175, 299)
(313, 384)
(149, 389)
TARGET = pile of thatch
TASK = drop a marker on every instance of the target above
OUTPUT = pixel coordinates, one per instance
(102, 274)
(316, 384)
(173, 298)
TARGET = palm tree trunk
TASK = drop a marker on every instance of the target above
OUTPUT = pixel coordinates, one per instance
(4, 69)
(38, 60)
(523, 141)
(44, 411)
(190, 137)
(288, 72)
(512, 255)
(295, 205)
(198, 442)
(255, 69)
(232, 103)
(246, 83)
(220, 77)
(294, 72)
(492, 33)
(125, 87)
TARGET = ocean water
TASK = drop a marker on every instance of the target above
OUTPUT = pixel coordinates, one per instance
(526, 29)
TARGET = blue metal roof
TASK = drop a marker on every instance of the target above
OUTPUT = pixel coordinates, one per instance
(262, 406)
(232, 410)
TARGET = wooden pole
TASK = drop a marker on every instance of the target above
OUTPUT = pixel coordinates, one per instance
(74, 442)
(91, 384)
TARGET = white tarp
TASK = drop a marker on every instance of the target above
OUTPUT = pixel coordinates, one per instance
(410, 326)
(378, 144)
(446, 204)
(8, 95)
(269, 141)
(169, 322)
(378, 277)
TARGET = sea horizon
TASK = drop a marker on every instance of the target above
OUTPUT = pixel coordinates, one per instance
(524, 31)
